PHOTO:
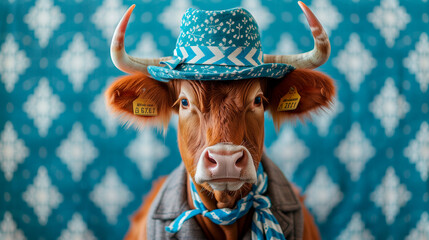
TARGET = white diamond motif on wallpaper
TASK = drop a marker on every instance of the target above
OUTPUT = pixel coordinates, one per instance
(421, 231)
(418, 151)
(12, 151)
(355, 230)
(323, 120)
(77, 62)
(261, 13)
(146, 151)
(99, 108)
(42, 196)
(390, 195)
(288, 151)
(43, 107)
(111, 195)
(107, 16)
(390, 18)
(322, 194)
(355, 62)
(417, 62)
(174, 122)
(327, 14)
(76, 229)
(146, 47)
(172, 15)
(286, 45)
(9, 230)
(44, 18)
(389, 106)
(13, 61)
(77, 151)
(355, 151)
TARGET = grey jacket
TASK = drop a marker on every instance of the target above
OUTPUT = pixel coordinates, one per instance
(171, 202)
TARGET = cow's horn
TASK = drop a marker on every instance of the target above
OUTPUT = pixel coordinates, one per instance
(314, 58)
(121, 59)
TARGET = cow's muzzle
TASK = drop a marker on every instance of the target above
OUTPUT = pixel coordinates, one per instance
(225, 166)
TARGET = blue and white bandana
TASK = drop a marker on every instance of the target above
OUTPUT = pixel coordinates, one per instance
(264, 224)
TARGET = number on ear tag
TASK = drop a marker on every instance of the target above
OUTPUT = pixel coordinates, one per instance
(145, 107)
(289, 101)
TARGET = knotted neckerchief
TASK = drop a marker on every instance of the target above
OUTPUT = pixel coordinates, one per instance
(264, 224)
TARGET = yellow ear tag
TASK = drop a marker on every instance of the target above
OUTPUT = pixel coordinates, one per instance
(145, 107)
(289, 101)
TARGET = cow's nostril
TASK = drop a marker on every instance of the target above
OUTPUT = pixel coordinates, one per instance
(211, 160)
(239, 160)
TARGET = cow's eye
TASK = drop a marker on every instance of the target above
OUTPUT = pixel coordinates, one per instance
(185, 102)
(257, 101)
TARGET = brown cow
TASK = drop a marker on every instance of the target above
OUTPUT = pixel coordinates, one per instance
(221, 125)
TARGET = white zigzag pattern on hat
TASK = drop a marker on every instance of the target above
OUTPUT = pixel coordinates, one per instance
(250, 55)
(219, 57)
(198, 54)
(185, 53)
(233, 56)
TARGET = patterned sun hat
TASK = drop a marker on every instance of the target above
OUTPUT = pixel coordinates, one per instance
(219, 45)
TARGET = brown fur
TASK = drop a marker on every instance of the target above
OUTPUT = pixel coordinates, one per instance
(222, 111)
(316, 89)
(222, 105)
(121, 94)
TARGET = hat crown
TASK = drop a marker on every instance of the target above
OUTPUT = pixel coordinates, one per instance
(226, 28)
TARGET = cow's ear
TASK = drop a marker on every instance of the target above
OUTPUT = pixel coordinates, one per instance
(316, 90)
(121, 94)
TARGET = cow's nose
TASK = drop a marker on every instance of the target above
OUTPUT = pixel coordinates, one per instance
(223, 163)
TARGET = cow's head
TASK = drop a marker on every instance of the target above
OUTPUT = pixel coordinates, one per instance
(221, 123)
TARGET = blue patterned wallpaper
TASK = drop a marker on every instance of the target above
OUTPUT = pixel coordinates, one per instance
(71, 171)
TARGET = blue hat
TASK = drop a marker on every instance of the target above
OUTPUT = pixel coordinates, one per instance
(218, 45)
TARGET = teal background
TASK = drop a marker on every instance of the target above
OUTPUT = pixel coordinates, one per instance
(346, 203)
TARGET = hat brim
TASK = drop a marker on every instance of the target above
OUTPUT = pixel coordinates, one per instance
(219, 72)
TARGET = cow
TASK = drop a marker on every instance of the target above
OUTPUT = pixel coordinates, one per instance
(221, 133)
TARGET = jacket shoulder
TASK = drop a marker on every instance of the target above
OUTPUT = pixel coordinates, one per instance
(137, 228)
